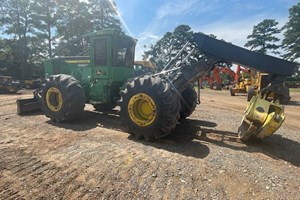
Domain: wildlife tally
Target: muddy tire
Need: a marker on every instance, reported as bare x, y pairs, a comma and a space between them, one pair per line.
104, 107
250, 93
188, 102
218, 87
63, 98
285, 98
149, 107
231, 91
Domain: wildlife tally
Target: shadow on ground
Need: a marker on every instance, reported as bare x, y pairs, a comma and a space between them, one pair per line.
187, 138
181, 140
276, 146
294, 103
92, 119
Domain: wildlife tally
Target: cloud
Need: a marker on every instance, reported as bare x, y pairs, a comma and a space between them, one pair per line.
232, 20
235, 31
144, 40
175, 8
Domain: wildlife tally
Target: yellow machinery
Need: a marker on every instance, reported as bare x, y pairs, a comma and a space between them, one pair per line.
262, 118
262, 80
152, 104
145, 65
31, 84
8, 85
243, 79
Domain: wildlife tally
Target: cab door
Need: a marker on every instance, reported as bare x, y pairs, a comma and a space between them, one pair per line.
101, 61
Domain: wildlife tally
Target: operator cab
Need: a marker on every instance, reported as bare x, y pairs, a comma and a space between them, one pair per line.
113, 48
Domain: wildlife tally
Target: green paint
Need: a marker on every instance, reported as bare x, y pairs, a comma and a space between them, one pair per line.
104, 71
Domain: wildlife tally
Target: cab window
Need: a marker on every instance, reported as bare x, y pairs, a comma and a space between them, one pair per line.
123, 53
100, 51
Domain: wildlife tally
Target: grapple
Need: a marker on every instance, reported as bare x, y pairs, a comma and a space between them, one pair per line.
261, 119
26, 106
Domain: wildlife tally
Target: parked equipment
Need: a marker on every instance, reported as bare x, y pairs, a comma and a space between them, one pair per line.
262, 80
146, 65
243, 79
214, 79
31, 83
150, 105
220, 84
8, 85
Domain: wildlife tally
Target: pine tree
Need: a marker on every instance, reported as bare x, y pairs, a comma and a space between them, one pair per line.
104, 14
45, 18
263, 37
17, 21
74, 21
171, 43
291, 41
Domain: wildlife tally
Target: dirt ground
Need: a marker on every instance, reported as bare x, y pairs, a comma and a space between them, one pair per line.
94, 158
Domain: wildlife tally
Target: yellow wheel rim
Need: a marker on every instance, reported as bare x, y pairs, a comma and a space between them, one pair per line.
54, 99
142, 109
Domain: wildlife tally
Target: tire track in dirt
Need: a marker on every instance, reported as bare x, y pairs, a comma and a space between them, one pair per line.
44, 160
39, 175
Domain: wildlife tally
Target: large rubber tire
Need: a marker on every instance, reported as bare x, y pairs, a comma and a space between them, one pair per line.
104, 107
285, 99
218, 87
63, 98
188, 102
231, 91
149, 107
250, 93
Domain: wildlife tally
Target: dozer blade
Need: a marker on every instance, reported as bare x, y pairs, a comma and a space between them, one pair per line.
26, 106
262, 118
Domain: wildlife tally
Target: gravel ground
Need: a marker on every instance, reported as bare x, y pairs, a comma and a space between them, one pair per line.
94, 158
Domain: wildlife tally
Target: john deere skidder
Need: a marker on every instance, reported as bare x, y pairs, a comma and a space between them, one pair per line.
151, 105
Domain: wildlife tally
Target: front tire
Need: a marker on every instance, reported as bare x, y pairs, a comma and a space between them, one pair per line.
285, 98
231, 91
63, 98
250, 93
149, 107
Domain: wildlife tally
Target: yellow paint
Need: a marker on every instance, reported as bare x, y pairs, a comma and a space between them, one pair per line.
265, 115
54, 94
142, 109
78, 61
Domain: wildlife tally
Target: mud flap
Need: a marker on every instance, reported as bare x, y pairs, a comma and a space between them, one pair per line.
262, 118
26, 106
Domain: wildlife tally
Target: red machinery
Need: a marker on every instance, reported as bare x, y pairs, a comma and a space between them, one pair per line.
214, 80
242, 80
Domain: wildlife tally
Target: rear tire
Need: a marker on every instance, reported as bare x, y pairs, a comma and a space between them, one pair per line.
149, 107
250, 93
188, 102
285, 98
218, 87
63, 98
231, 91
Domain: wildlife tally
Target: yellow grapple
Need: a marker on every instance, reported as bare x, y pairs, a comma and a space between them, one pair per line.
262, 118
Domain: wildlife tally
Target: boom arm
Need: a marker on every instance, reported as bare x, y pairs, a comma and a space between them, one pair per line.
262, 118
220, 51
228, 52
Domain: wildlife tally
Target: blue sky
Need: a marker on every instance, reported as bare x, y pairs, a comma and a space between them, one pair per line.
231, 20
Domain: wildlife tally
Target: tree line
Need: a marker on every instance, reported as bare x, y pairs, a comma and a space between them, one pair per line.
35, 29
